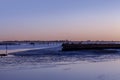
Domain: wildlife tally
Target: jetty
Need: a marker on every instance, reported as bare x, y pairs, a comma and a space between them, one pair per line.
87, 45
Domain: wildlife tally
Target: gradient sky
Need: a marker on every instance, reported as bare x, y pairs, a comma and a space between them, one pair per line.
59, 19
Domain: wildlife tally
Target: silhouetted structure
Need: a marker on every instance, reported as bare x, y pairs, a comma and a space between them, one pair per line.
80, 46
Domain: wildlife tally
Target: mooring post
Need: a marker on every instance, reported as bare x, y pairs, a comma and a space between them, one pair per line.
6, 48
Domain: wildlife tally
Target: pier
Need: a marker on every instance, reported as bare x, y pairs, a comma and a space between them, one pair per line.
72, 46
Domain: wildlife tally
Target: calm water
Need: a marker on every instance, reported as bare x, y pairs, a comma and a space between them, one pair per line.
76, 65
25, 47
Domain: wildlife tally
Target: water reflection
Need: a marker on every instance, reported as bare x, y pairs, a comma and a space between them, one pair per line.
58, 65
58, 58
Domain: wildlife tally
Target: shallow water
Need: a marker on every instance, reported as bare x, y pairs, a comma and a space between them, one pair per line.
79, 65
25, 47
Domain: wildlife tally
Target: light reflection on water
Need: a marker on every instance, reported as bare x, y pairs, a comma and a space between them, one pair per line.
62, 67
46, 61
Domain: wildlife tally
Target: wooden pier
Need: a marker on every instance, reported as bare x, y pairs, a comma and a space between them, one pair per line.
79, 46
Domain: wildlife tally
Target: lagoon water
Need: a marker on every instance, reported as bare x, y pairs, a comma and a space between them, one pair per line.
53, 64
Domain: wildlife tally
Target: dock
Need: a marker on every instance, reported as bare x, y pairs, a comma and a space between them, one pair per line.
91, 45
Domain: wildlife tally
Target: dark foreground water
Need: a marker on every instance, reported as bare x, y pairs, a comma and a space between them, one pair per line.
53, 64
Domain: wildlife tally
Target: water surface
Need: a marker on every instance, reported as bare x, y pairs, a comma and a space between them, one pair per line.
75, 65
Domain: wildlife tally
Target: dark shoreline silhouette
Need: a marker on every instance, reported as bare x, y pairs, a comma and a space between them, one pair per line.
79, 46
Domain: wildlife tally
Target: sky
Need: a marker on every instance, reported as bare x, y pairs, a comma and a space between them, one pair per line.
59, 20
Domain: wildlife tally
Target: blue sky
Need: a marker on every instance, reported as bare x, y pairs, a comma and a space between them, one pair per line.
59, 19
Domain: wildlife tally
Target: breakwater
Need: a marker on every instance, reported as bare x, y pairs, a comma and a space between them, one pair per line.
79, 46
